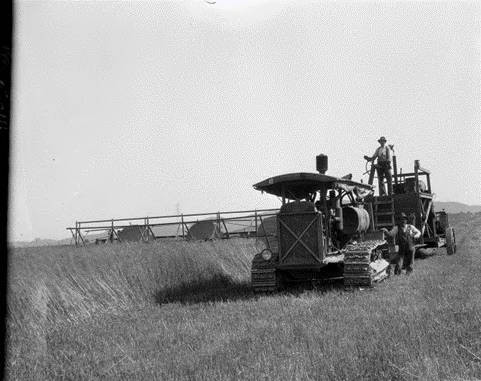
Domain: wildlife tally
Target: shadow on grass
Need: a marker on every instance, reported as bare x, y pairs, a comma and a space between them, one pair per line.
218, 289
222, 289
325, 286
425, 253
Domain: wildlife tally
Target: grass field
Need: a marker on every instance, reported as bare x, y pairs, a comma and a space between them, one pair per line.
183, 310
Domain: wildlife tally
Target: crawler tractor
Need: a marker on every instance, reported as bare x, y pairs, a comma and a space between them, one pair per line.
323, 232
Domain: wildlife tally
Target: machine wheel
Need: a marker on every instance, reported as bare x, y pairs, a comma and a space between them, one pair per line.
450, 241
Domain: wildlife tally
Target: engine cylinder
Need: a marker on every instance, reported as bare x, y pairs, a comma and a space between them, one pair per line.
355, 220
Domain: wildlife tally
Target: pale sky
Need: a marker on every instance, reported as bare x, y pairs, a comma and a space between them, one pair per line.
125, 109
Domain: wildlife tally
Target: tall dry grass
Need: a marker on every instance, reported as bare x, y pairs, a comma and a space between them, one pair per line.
183, 310
74, 283
55, 287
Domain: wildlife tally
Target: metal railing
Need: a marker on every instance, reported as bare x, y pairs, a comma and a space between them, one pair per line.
227, 224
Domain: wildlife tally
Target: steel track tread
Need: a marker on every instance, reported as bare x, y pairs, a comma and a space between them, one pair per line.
357, 259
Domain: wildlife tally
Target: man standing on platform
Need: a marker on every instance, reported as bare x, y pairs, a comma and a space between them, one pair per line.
384, 158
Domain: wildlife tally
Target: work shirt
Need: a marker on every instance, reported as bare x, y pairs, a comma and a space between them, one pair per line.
383, 153
409, 230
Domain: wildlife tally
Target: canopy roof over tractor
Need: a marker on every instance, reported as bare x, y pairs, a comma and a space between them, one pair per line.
299, 185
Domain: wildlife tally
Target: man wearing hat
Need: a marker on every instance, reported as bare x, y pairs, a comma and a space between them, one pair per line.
384, 157
404, 235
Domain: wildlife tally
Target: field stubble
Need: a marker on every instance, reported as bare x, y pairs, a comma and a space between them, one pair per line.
184, 310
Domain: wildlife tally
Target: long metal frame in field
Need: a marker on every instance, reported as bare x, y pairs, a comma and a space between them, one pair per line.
182, 221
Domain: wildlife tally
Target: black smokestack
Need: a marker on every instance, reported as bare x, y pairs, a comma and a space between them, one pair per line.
321, 163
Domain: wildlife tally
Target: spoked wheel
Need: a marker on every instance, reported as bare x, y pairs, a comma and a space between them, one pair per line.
450, 241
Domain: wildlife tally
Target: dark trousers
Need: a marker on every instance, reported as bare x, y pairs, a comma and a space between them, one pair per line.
384, 172
404, 259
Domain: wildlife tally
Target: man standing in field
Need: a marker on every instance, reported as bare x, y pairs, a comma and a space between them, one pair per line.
384, 157
404, 235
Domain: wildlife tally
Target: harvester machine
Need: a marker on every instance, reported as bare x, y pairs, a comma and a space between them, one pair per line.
412, 195
324, 231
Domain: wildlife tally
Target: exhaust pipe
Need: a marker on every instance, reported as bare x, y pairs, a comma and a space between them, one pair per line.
321, 163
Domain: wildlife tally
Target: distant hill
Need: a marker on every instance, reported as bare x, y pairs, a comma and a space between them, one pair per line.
40, 242
52, 242
456, 207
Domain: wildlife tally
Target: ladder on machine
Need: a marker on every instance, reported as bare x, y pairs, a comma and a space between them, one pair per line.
384, 212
